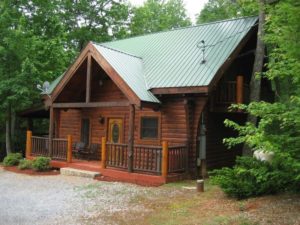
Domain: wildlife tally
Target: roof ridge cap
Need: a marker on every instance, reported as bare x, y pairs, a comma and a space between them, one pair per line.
179, 28
116, 50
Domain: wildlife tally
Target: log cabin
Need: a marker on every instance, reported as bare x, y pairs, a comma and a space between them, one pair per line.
151, 108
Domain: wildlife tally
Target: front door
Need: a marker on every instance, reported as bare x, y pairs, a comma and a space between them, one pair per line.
115, 130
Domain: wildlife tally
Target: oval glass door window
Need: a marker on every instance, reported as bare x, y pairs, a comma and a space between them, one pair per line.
115, 133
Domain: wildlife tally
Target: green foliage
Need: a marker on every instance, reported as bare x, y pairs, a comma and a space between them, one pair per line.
158, 15
251, 177
216, 10
41, 163
12, 159
278, 129
25, 164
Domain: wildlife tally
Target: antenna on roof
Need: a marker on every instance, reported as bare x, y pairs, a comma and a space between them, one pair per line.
202, 46
44, 88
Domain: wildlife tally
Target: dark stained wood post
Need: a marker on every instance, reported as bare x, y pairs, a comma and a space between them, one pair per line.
103, 153
131, 137
69, 150
239, 89
188, 108
51, 126
165, 159
28, 144
88, 78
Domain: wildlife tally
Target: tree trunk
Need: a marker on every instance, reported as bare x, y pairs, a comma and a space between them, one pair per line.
255, 83
8, 130
12, 130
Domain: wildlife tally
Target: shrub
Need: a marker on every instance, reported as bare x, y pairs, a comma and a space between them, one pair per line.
24, 164
41, 163
251, 177
12, 159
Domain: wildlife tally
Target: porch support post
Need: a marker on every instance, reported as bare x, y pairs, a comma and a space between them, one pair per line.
69, 150
28, 144
103, 153
165, 159
188, 108
131, 138
239, 89
51, 125
88, 78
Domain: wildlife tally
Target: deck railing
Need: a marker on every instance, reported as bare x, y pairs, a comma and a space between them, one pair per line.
59, 149
226, 93
147, 158
177, 159
40, 146
116, 155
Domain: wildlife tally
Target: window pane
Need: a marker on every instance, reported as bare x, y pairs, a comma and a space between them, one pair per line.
149, 127
85, 131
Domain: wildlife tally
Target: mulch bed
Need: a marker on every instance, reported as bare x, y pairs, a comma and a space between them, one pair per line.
31, 172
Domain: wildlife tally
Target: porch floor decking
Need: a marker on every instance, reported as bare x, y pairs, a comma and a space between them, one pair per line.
118, 175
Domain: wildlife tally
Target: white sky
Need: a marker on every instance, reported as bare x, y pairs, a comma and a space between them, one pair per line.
193, 6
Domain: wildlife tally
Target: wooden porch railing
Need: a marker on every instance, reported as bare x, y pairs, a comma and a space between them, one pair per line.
39, 146
59, 149
177, 159
147, 158
116, 155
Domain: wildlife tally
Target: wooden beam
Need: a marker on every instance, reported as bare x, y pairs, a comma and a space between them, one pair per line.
70, 71
239, 89
131, 137
90, 104
69, 150
28, 144
103, 153
51, 120
165, 159
188, 108
180, 90
88, 78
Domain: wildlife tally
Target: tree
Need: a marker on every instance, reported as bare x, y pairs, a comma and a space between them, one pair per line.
96, 20
158, 15
31, 43
225, 9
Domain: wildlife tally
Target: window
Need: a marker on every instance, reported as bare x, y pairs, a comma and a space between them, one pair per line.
85, 131
149, 127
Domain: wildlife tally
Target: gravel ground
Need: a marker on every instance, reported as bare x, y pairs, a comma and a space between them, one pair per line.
67, 200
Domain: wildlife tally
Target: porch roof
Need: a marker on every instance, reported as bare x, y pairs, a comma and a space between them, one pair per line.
172, 59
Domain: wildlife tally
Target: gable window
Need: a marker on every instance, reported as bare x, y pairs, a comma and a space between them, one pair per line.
149, 127
85, 131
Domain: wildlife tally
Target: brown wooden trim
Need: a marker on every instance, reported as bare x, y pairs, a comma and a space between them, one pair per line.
231, 59
141, 140
189, 111
116, 78
131, 137
51, 123
180, 90
151, 105
88, 78
90, 104
70, 71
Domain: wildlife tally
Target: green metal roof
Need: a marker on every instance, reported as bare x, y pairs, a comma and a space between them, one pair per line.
173, 58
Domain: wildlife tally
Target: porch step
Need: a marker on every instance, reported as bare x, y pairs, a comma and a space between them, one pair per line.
79, 173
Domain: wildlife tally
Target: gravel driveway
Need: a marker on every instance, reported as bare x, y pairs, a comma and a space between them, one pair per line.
67, 200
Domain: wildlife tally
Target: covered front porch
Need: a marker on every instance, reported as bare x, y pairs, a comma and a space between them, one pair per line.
160, 164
